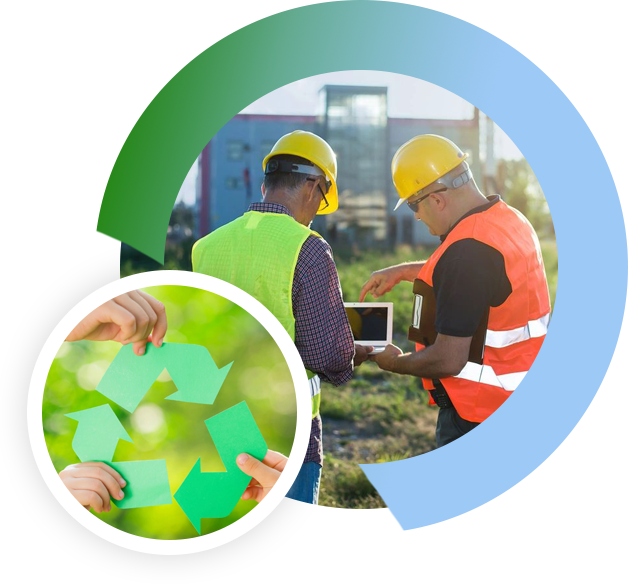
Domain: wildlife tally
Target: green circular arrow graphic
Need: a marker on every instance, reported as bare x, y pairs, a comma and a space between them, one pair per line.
198, 380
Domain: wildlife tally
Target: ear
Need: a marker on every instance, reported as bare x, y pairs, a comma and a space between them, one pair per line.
263, 190
310, 189
439, 200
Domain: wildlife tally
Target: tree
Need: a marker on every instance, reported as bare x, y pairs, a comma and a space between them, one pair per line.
519, 187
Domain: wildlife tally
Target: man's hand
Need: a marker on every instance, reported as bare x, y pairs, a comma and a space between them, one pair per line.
93, 484
447, 356
129, 318
265, 473
381, 282
386, 359
361, 354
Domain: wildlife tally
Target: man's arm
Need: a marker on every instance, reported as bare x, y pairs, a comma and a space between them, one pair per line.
446, 357
322, 333
381, 282
469, 278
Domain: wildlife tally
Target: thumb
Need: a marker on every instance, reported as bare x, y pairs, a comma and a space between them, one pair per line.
251, 466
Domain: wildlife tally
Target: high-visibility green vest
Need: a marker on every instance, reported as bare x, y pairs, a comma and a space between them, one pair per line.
258, 253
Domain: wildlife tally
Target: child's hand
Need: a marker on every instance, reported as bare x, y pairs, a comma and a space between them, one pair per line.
265, 473
92, 483
135, 317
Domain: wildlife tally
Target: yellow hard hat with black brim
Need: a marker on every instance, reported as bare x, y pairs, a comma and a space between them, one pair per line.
313, 148
426, 160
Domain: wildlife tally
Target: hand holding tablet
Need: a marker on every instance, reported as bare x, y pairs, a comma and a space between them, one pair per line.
371, 324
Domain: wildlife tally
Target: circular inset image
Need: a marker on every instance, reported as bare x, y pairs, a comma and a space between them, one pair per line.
168, 412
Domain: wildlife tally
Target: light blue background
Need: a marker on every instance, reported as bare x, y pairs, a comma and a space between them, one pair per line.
541, 487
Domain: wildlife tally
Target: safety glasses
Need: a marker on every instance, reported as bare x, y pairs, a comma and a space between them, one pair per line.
452, 180
323, 193
414, 204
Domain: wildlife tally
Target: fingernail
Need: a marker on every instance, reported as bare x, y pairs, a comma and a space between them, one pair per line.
120, 495
242, 458
140, 351
160, 342
122, 482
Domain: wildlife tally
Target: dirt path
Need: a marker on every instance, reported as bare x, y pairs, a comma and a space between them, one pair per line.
350, 443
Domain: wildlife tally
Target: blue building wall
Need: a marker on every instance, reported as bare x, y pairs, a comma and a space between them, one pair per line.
240, 146
237, 148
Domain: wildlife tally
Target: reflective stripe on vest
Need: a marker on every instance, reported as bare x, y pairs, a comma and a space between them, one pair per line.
483, 373
315, 386
517, 328
276, 240
315, 394
534, 329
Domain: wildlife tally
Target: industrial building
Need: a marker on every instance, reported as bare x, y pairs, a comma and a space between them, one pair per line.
355, 122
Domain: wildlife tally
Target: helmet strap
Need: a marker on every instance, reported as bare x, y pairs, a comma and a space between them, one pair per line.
274, 166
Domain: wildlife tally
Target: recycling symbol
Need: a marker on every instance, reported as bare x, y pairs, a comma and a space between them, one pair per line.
198, 380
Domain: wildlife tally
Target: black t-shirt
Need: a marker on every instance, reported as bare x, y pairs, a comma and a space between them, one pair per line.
468, 278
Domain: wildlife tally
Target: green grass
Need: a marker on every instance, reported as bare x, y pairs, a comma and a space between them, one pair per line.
344, 485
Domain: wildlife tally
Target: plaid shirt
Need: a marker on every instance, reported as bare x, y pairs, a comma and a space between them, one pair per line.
322, 333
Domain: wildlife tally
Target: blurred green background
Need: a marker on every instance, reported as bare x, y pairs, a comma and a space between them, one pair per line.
172, 430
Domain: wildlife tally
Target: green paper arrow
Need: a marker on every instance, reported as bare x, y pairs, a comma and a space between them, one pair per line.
191, 367
97, 434
147, 484
195, 374
215, 494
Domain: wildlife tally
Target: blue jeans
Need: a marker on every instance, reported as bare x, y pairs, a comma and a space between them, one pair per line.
305, 487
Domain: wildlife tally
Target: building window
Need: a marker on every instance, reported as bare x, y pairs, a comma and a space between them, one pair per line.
265, 147
235, 150
234, 183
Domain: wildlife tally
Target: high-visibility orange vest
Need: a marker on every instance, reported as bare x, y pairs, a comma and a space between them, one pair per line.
516, 329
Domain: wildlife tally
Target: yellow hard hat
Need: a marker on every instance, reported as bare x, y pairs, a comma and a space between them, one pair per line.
307, 145
424, 160
355, 322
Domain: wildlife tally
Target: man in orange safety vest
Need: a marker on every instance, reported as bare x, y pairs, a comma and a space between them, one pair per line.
482, 305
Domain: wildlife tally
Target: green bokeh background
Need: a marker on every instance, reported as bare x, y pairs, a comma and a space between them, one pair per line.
172, 430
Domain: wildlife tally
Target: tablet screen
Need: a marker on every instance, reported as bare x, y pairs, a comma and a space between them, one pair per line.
368, 323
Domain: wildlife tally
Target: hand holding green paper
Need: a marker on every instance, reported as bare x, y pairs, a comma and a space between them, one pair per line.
93, 484
134, 317
264, 474
215, 494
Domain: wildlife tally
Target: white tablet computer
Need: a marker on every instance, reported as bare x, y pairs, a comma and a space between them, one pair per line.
371, 323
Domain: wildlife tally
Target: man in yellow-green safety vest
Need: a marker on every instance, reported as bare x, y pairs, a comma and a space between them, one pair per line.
271, 253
